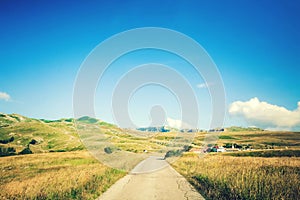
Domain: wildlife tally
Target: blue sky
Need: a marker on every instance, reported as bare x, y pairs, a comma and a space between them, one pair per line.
255, 45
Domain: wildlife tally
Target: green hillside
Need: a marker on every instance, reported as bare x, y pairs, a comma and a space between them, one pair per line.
19, 132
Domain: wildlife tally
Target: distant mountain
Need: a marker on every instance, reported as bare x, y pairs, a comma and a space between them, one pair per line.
158, 129
154, 129
170, 129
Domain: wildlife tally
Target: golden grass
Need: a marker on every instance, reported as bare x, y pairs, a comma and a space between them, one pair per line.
227, 177
256, 139
72, 175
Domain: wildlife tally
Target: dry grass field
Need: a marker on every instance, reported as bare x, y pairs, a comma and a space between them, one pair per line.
226, 177
60, 168
256, 139
65, 175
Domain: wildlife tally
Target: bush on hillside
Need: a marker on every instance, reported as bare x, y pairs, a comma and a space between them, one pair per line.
33, 141
178, 152
7, 151
27, 150
5, 141
108, 150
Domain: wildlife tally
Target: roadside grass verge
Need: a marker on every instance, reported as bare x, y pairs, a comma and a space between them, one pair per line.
66, 175
227, 177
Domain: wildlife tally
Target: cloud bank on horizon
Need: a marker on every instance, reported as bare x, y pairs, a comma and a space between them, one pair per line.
4, 96
176, 123
266, 115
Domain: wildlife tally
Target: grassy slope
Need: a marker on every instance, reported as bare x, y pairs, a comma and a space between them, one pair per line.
64, 175
257, 139
46, 175
61, 135
271, 171
58, 135
226, 177
79, 173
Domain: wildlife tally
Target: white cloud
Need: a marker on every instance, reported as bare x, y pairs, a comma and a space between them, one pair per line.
204, 85
266, 115
176, 123
4, 96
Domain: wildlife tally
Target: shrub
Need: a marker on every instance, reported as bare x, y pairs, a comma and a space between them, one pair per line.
5, 141
69, 120
7, 151
173, 153
108, 150
187, 148
33, 141
178, 152
26, 151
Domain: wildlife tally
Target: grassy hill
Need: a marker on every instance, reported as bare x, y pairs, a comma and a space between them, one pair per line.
254, 138
77, 175
50, 172
41, 135
18, 132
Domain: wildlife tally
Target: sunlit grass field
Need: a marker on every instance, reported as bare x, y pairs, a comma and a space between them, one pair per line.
227, 177
60, 168
65, 175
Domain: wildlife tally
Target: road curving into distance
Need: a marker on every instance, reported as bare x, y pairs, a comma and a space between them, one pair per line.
152, 179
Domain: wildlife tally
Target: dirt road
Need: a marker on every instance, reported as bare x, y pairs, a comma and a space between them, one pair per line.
152, 179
